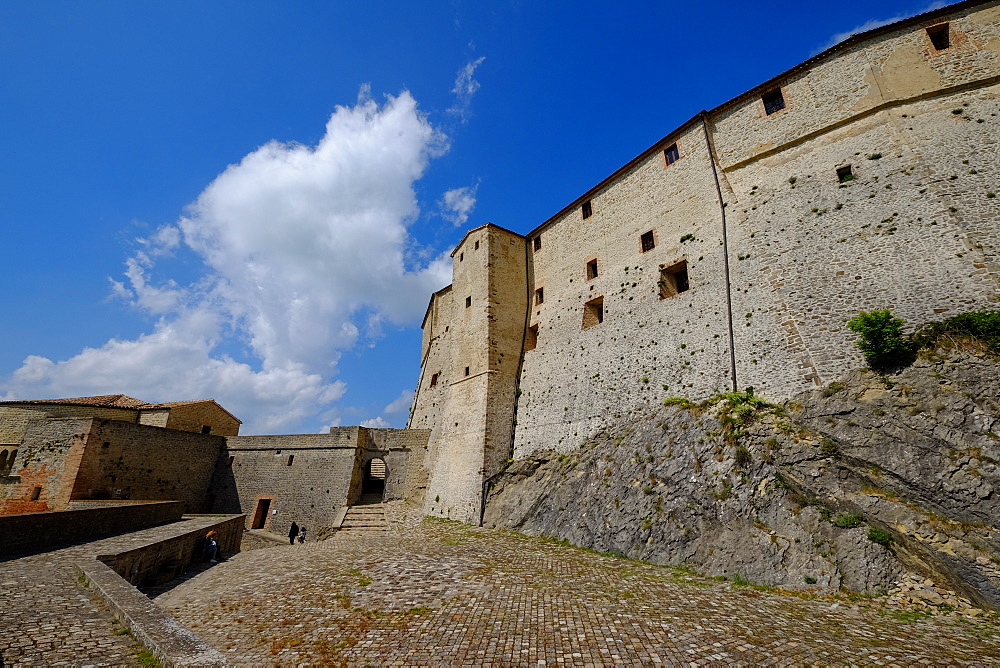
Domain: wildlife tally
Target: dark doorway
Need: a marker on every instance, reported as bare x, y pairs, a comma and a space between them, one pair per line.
373, 488
260, 515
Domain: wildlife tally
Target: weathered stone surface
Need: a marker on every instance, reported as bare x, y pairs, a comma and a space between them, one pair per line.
791, 502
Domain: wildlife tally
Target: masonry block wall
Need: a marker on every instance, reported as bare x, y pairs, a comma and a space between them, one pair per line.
133, 461
743, 241
46, 465
303, 478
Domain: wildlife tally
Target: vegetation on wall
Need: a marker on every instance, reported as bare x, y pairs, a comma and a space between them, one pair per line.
886, 347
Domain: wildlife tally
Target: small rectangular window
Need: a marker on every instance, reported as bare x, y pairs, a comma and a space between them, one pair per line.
647, 241
845, 174
587, 209
940, 36
674, 280
291, 458
537, 242
593, 313
672, 154
531, 340
476, 246
36, 493
466, 371
539, 295
434, 379
592, 269
206, 429
468, 302
773, 101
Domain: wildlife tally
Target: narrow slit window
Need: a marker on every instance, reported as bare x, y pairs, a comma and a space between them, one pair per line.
592, 269
845, 174
531, 340
291, 458
36, 493
593, 313
647, 241
468, 302
466, 371
674, 280
461, 256
475, 246
672, 154
773, 101
539, 295
434, 379
940, 36
587, 209
537, 243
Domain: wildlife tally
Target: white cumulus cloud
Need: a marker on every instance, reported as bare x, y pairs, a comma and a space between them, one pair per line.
375, 423
458, 203
305, 250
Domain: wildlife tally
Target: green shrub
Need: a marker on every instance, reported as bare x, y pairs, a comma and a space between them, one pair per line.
882, 341
809, 579
848, 520
828, 448
880, 536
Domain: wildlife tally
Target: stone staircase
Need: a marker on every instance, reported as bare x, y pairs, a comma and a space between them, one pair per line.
365, 518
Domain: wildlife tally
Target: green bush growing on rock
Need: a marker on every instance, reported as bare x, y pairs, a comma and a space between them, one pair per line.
880, 536
828, 448
882, 340
849, 520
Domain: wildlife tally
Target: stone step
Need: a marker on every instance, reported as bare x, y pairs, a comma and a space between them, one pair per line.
368, 518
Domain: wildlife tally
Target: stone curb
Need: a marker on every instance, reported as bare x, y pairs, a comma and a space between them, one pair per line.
169, 640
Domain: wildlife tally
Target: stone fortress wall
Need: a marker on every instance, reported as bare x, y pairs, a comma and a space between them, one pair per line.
309, 478
729, 254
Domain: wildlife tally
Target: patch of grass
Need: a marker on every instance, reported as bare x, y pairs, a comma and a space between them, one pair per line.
910, 615
682, 402
740, 581
148, 659
828, 448
809, 580
832, 389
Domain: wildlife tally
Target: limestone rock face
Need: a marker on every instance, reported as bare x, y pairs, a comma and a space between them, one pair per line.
859, 485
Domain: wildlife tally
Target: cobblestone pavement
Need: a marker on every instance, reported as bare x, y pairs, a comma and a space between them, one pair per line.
47, 618
442, 593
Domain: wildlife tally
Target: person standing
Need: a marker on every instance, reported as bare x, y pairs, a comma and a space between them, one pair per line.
302, 535
293, 533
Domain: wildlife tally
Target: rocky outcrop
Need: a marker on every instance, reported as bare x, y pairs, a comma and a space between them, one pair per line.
868, 484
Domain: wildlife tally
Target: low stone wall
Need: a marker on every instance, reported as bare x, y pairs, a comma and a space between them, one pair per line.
163, 560
36, 530
169, 640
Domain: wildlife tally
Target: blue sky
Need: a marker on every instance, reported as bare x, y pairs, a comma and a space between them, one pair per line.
252, 201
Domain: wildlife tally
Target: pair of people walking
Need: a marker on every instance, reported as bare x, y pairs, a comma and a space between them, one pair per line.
296, 532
